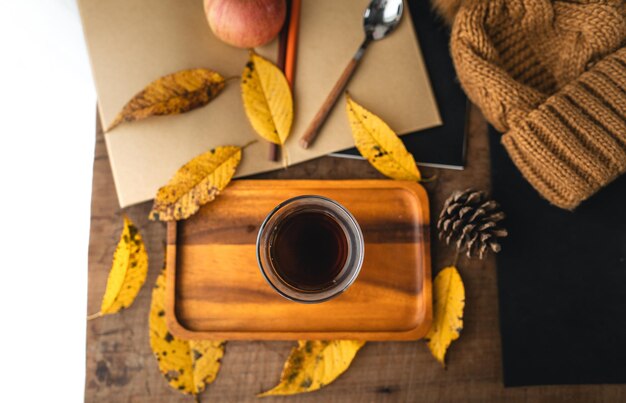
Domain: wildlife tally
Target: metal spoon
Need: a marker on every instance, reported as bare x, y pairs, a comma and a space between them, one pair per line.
379, 19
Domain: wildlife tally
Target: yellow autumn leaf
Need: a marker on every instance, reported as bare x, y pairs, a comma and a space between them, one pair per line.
314, 364
172, 94
267, 99
128, 271
196, 183
449, 301
187, 365
380, 145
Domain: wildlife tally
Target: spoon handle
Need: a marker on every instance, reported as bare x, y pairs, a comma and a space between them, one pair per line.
320, 118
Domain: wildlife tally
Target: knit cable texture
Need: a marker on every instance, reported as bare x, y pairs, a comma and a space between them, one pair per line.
552, 76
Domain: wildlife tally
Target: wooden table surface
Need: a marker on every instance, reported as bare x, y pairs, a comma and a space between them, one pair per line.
121, 367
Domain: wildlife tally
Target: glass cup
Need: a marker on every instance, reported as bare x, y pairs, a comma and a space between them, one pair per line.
310, 249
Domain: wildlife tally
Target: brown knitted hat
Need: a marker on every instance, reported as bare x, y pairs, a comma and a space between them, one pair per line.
551, 75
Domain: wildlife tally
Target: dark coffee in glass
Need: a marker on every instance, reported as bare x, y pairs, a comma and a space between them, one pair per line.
310, 249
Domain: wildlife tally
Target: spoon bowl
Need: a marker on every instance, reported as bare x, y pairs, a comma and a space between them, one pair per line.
382, 17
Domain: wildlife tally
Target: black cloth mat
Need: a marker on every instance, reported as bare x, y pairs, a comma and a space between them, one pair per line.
443, 145
561, 281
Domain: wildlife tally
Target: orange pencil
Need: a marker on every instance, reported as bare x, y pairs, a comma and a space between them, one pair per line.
292, 42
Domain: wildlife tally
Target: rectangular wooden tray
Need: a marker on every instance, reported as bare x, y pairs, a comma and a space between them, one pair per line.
216, 291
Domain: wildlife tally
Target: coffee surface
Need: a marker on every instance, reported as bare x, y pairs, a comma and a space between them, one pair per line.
309, 249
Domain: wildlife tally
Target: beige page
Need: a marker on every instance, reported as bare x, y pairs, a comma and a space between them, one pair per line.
133, 42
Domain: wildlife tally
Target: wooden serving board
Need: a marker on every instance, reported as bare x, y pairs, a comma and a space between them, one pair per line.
216, 291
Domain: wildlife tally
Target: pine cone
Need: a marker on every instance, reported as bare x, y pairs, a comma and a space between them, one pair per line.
470, 220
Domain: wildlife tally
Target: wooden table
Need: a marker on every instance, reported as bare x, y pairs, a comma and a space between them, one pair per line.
121, 367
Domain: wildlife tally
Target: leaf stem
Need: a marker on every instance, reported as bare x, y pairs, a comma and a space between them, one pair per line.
232, 78
456, 258
430, 179
196, 398
94, 316
248, 144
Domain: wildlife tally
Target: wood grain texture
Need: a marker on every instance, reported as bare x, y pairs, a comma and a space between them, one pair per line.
120, 367
215, 289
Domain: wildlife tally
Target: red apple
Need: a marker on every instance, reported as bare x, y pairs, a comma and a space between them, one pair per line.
245, 23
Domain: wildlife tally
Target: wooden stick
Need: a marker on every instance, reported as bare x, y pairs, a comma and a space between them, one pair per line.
316, 124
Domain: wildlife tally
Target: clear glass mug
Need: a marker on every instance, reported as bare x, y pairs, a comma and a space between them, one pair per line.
310, 249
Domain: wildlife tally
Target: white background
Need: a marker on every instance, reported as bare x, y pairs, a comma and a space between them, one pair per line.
47, 127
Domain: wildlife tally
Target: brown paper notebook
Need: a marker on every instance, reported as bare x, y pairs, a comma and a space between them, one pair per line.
133, 42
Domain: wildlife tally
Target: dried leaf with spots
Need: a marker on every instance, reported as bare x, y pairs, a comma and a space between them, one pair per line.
267, 99
315, 364
128, 271
172, 94
448, 304
379, 144
196, 183
187, 365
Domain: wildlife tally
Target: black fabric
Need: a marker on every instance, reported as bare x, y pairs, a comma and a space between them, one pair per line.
443, 145
562, 283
